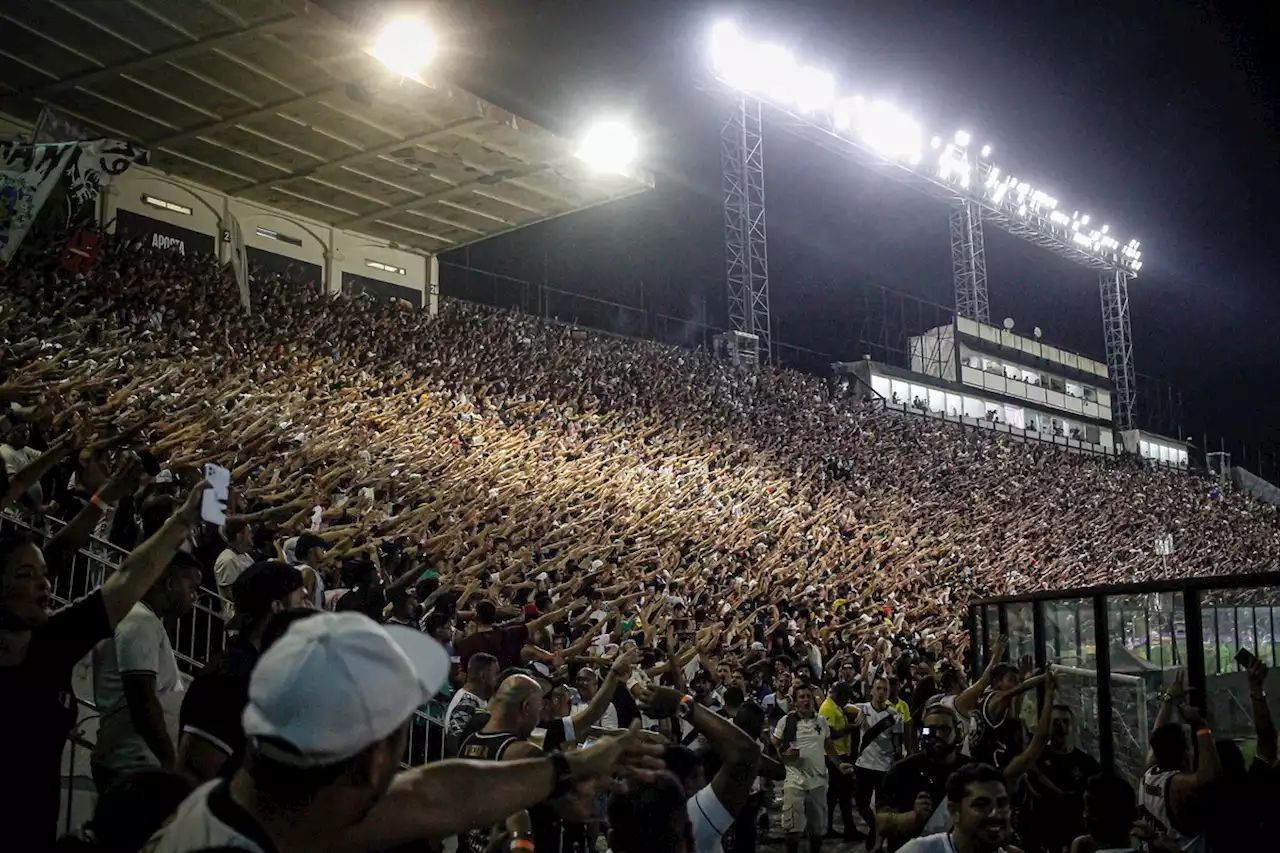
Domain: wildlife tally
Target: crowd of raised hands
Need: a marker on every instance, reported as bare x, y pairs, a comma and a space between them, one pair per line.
496, 447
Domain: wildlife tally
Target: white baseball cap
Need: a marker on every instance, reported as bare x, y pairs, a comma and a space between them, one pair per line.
337, 683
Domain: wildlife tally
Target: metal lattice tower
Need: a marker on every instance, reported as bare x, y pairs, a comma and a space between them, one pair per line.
969, 262
1113, 285
746, 256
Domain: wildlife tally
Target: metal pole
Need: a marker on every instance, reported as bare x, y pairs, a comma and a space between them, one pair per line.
1102, 659
1195, 644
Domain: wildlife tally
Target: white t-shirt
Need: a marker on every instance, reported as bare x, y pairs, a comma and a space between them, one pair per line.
810, 771
608, 720
140, 645
226, 569
878, 755
208, 818
710, 820
230, 566
937, 843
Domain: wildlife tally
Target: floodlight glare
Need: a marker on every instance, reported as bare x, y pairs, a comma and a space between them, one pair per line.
777, 67
609, 146
889, 131
815, 90
842, 114
772, 73
405, 45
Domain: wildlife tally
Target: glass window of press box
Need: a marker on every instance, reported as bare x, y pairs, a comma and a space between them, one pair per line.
1116, 650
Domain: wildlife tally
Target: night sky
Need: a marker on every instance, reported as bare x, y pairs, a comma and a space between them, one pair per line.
1158, 118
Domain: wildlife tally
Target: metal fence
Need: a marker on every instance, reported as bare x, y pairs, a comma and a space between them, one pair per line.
1116, 649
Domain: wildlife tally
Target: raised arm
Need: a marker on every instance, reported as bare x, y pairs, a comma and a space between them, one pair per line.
967, 701
590, 715
447, 797
1172, 699
127, 584
1029, 756
739, 752
1263, 724
71, 538
27, 477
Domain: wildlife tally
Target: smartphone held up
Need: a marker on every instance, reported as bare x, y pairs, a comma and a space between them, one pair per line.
213, 505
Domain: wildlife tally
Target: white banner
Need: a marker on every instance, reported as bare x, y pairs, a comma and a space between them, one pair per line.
240, 262
28, 173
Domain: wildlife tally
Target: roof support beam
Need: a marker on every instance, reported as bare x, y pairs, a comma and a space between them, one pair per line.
95, 75
246, 116
440, 195
366, 154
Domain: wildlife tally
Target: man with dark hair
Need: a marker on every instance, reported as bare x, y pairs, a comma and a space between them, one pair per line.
651, 818
1055, 816
136, 682
233, 560
482, 680
1170, 788
881, 729
979, 805
211, 736
504, 641
326, 726
914, 790
710, 807
803, 740
840, 789
1109, 809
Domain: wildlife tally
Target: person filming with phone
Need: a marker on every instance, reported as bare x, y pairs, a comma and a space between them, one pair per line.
914, 802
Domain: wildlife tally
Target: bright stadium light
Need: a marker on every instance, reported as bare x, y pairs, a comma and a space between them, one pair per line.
842, 114
609, 146
890, 131
780, 73
815, 90
405, 45
772, 73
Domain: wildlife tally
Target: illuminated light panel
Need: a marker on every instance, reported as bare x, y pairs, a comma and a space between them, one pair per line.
609, 146
771, 72
405, 45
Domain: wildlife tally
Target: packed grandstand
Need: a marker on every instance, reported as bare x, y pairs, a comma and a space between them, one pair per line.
539, 499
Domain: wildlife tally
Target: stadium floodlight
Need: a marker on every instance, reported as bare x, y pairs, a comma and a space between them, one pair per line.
815, 90
405, 45
812, 97
609, 146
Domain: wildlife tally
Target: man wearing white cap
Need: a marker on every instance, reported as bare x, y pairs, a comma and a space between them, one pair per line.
326, 725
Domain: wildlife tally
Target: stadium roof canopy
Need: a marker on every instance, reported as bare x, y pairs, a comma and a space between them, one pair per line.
277, 102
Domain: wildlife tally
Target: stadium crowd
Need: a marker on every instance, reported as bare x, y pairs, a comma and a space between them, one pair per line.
569, 536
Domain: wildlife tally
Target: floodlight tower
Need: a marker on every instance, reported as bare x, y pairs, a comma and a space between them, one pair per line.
804, 101
969, 262
1113, 286
745, 245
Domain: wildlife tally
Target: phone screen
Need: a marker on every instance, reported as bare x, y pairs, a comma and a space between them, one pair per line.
213, 504
1245, 658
